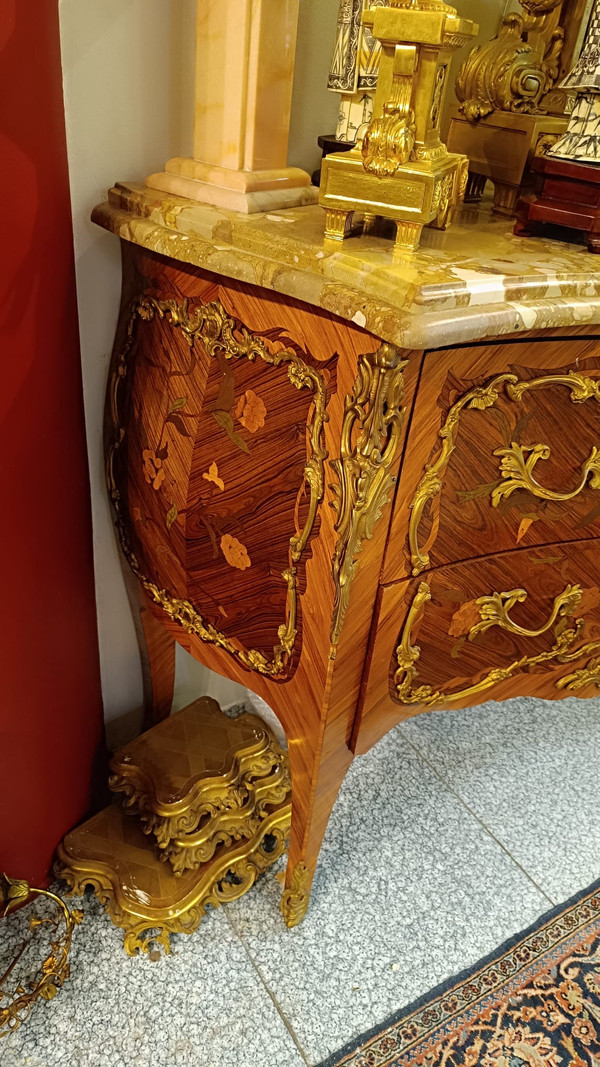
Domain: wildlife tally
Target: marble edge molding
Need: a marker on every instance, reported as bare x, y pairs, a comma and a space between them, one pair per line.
412, 327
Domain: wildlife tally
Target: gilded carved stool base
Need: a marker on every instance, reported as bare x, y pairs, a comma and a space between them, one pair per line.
200, 780
143, 896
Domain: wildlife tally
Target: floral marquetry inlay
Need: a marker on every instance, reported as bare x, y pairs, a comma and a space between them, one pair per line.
238, 419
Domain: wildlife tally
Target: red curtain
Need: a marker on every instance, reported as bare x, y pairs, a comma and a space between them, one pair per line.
50, 702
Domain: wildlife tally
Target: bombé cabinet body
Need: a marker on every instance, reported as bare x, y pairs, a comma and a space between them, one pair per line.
356, 530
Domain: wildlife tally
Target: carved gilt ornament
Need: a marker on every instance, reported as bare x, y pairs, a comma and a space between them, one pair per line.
227, 878
507, 73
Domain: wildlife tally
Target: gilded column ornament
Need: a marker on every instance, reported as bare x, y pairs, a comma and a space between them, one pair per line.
220, 334
516, 470
295, 899
371, 433
494, 610
390, 139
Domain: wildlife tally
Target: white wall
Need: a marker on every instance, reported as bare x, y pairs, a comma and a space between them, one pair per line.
128, 70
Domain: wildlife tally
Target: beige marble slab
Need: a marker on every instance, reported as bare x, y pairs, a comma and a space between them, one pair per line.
474, 281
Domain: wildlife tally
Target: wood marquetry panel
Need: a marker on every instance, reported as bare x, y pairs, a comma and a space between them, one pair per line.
526, 622
504, 451
218, 463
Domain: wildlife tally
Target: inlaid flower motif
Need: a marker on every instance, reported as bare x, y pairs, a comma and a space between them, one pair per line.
153, 468
250, 411
235, 552
212, 475
464, 619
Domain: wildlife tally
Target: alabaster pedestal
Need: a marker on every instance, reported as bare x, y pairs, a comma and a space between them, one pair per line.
245, 191
245, 52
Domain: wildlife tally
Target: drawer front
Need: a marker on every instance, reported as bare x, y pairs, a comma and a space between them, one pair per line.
504, 450
523, 624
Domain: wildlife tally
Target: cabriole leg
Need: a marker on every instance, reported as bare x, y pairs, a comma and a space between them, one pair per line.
157, 653
317, 774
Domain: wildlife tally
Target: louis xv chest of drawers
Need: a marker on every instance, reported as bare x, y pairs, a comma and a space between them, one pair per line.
363, 488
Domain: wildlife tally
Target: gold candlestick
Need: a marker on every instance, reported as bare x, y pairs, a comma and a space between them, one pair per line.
401, 170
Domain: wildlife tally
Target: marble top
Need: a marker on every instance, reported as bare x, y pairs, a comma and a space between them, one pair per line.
475, 280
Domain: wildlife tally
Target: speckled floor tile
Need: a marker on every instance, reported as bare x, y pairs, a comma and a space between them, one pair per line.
529, 770
202, 1006
410, 889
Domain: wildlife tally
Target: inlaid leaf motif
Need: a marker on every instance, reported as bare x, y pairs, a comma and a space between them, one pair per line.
225, 420
212, 475
251, 411
172, 514
179, 424
480, 490
524, 525
177, 404
235, 552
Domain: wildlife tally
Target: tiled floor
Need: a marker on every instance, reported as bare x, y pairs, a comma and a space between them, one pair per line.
459, 829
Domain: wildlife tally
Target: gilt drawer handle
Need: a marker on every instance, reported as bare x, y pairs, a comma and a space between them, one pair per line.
514, 466
494, 611
517, 469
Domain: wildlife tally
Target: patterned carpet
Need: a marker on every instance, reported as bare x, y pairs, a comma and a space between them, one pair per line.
534, 1002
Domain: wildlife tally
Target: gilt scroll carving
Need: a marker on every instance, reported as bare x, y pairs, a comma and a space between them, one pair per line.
508, 73
221, 334
294, 900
